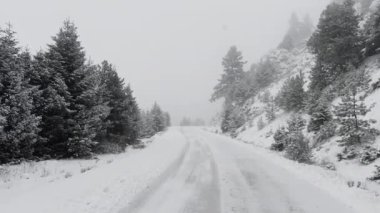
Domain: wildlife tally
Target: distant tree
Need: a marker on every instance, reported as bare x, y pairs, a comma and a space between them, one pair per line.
233, 74
158, 118
185, 122
19, 126
265, 74
336, 44
146, 125
199, 122
167, 119
297, 33
270, 109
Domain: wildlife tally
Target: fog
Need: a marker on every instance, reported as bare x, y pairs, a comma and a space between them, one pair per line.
170, 51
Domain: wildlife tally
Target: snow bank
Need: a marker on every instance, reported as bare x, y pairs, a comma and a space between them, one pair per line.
104, 185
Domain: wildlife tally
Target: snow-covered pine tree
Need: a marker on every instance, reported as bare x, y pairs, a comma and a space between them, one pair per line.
297, 33
233, 74
336, 44
354, 129
19, 126
51, 105
157, 118
372, 34
122, 123
167, 119
265, 74
132, 115
146, 125
292, 96
232, 118
321, 114
296, 123
71, 59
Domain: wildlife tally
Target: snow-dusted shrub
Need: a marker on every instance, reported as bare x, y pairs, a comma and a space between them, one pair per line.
326, 131
280, 139
296, 123
348, 153
369, 155
376, 175
320, 115
282, 136
298, 148
354, 129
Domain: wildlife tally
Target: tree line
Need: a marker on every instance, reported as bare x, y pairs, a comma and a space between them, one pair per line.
340, 45
58, 104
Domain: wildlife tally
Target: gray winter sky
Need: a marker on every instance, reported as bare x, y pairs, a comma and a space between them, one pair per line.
170, 51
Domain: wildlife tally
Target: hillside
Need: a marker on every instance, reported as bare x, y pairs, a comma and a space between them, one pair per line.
353, 164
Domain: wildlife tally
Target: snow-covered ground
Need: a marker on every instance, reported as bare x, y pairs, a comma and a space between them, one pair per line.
183, 170
104, 185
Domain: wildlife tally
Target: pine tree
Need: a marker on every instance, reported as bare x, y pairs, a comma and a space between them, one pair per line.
167, 119
320, 115
265, 74
122, 122
297, 33
146, 125
292, 95
51, 105
296, 123
372, 34
336, 44
233, 74
19, 126
270, 109
158, 118
232, 118
354, 129
70, 61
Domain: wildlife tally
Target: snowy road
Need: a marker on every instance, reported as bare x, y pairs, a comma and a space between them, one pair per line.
216, 174
183, 170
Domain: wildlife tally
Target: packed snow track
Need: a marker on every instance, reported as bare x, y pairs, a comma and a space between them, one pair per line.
216, 174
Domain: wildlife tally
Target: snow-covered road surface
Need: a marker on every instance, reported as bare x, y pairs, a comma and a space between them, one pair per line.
183, 170
217, 174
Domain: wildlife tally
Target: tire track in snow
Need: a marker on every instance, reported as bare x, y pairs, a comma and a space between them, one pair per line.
189, 185
169, 172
